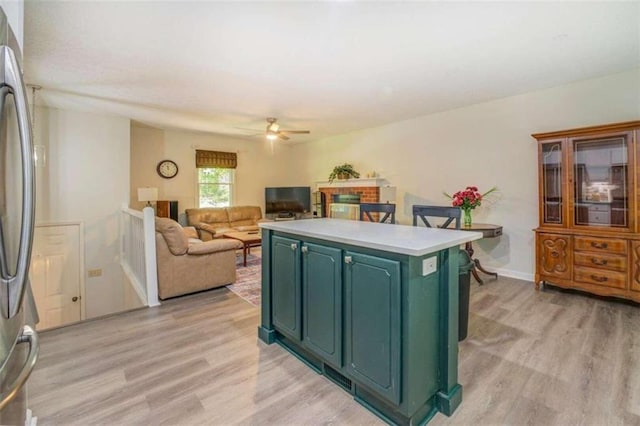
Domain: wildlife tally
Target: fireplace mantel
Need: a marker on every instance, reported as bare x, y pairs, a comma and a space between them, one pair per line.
353, 183
368, 189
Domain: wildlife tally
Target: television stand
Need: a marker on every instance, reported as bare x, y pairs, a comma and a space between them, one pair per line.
283, 216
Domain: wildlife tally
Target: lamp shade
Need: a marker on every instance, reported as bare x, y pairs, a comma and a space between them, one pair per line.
147, 194
388, 194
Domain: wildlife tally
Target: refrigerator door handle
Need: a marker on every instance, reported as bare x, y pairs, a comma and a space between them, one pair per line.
30, 336
12, 78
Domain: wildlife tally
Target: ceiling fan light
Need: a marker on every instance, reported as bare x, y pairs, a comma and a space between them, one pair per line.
272, 136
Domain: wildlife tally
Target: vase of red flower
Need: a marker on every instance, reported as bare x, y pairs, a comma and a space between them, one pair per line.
468, 199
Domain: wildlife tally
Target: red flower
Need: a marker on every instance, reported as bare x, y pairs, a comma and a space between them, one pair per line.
469, 198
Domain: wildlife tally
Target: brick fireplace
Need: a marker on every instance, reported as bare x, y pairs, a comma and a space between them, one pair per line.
368, 189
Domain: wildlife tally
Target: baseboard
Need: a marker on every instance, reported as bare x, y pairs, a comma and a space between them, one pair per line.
513, 274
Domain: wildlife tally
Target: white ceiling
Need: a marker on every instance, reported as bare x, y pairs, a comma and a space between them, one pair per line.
331, 67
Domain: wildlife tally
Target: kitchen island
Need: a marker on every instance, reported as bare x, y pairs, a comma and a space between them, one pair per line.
373, 307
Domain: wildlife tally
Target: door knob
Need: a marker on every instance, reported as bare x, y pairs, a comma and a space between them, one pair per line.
348, 259
305, 249
74, 299
294, 246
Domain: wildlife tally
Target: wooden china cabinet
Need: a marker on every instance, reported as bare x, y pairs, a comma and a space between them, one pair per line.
589, 234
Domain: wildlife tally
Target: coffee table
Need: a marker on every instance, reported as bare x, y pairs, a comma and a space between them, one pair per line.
247, 238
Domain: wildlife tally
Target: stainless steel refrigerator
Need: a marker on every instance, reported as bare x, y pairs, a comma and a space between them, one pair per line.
18, 340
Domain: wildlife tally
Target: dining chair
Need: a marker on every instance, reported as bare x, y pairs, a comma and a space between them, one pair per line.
388, 209
423, 212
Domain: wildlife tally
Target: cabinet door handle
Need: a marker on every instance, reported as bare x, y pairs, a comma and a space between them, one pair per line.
348, 259
599, 279
599, 245
600, 262
305, 249
294, 246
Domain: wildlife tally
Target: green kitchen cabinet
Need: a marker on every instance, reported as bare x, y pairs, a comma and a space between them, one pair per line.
373, 317
322, 301
307, 295
286, 292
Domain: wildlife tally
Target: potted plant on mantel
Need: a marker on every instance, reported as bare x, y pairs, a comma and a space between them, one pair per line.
344, 171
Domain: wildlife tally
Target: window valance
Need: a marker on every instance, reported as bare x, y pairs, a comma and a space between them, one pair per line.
225, 160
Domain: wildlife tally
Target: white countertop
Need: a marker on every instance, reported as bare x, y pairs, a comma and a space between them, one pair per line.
410, 240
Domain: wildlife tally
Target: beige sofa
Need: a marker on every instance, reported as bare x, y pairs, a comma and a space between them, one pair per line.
213, 222
187, 264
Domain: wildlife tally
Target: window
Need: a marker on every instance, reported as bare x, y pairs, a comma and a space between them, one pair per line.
215, 187
216, 173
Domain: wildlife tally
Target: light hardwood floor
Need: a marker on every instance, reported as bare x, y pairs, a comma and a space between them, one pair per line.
531, 358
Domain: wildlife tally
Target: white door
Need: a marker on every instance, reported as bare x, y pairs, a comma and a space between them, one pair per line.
55, 274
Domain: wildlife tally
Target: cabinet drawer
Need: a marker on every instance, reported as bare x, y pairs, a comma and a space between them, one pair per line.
600, 277
599, 217
599, 208
608, 245
600, 260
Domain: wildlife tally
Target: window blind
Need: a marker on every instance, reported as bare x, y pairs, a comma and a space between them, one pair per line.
210, 159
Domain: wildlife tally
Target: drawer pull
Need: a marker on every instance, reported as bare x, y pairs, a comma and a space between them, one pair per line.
555, 254
348, 259
600, 262
305, 249
598, 279
599, 245
294, 246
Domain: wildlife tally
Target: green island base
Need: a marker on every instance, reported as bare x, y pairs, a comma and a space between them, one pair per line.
441, 402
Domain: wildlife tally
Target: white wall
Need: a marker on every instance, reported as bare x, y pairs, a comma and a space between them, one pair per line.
484, 145
260, 164
14, 9
86, 178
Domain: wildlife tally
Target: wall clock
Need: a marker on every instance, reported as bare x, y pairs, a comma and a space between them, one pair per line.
167, 169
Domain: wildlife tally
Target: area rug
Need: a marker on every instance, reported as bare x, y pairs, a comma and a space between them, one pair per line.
248, 278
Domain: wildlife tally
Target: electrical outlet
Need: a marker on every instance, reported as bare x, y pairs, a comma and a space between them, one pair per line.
95, 272
429, 265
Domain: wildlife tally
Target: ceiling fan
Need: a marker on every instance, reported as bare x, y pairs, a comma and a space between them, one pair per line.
274, 132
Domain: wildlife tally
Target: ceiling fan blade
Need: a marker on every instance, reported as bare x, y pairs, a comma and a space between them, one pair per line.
300, 132
283, 137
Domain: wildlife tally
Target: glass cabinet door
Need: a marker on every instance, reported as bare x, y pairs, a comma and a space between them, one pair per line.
601, 191
552, 182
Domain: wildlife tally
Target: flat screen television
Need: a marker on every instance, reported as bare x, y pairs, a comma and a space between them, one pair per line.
287, 200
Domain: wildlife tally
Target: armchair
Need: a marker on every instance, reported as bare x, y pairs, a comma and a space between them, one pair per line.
187, 265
